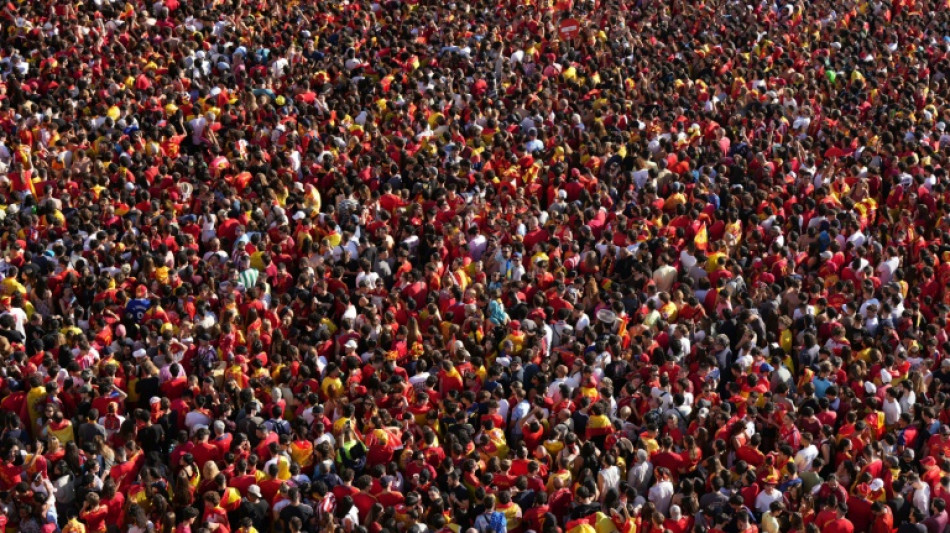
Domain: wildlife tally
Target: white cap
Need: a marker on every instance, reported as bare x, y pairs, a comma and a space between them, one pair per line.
870, 388
140, 353
886, 376
606, 316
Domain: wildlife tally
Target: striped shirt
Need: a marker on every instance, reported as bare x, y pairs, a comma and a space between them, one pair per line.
248, 277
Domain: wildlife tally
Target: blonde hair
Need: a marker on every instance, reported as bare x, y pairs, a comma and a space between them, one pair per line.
210, 470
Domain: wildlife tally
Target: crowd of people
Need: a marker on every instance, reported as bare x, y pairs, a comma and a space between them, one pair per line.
573, 266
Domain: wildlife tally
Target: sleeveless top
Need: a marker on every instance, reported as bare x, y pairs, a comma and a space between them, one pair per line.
611, 476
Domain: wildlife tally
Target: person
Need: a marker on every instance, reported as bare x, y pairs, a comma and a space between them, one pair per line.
882, 518
840, 524
914, 524
920, 498
640, 475
93, 513
294, 509
769, 495
661, 494
491, 520
253, 507
938, 520
773, 520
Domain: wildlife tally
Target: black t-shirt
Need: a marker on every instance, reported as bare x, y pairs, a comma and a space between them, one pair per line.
152, 438
459, 491
257, 512
583, 510
907, 527
942, 379
624, 267
303, 512
12, 335
147, 388
580, 422
525, 499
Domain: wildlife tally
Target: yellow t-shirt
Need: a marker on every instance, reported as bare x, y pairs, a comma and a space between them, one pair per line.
10, 286
712, 261
336, 384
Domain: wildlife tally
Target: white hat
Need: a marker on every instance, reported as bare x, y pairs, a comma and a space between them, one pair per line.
886, 376
870, 388
140, 353
254, 490
351, 344
877, 484
606, 316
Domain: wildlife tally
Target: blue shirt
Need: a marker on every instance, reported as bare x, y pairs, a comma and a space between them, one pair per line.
821, 386
137, 308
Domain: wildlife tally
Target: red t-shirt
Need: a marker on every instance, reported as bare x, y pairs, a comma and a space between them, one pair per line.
95, 519
839, 525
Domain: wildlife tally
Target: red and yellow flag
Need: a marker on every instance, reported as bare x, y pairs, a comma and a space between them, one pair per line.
702, 238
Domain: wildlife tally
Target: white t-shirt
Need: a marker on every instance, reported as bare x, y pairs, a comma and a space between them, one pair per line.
892, 412
887, 268
198, 126
661, 495
19, 319
764, 500
805, 456
664, 277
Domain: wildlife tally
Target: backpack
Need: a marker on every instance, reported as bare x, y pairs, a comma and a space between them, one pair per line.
353, 456
653, 417
281, 427
497, 521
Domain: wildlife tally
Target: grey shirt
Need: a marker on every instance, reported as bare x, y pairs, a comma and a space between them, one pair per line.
88, 430
640, 476
710, 501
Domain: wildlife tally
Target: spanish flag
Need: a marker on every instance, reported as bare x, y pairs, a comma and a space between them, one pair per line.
231, 499
302, 453
581, 525
702, 238
599, 425
74, 526
598, 522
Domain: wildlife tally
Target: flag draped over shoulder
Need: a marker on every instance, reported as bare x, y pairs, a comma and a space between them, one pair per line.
702, 238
